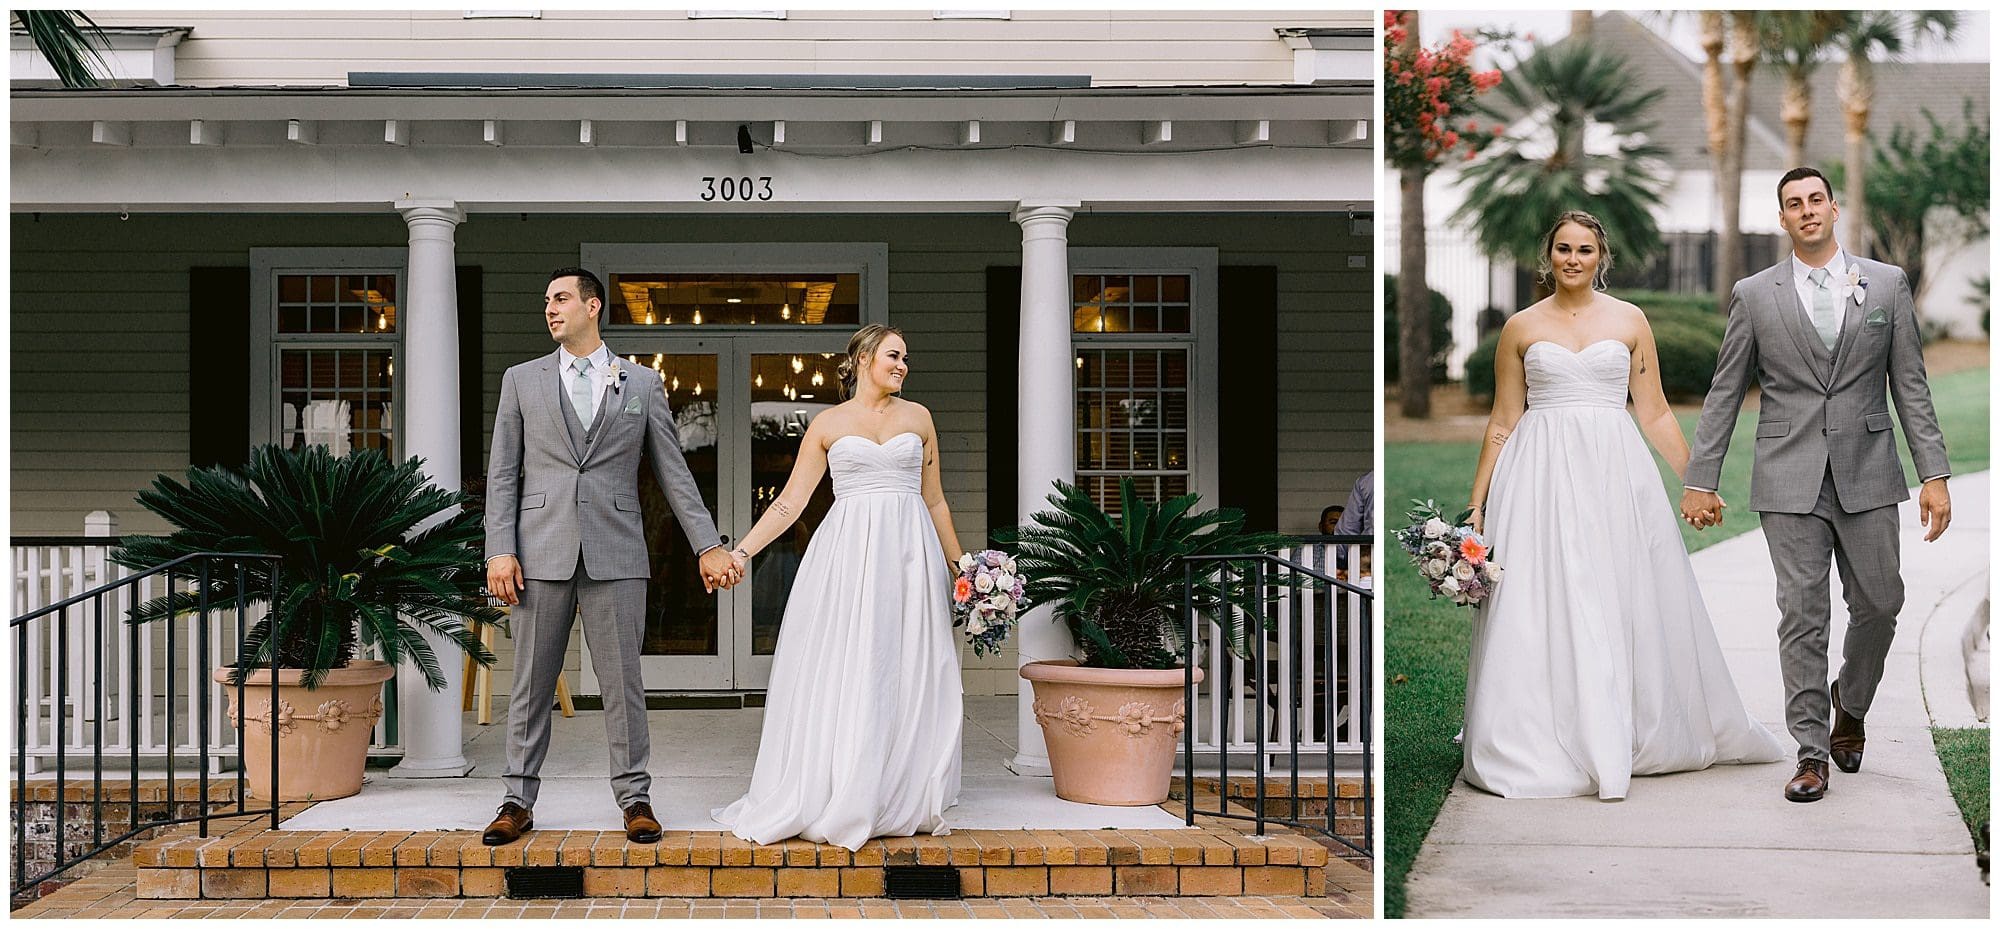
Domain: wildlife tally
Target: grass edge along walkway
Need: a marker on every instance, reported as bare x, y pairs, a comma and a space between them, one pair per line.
1425, 641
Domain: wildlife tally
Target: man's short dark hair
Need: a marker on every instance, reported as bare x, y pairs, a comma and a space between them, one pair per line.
588, 287
1336, 508
1801, 173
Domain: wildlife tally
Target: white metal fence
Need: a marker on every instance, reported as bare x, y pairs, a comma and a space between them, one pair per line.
1299, 638
78, 668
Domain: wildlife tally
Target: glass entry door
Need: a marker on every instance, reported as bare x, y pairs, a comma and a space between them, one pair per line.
742, 405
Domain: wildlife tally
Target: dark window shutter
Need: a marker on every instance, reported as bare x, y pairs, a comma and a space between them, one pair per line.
218, 366
471, 383
1003, 377
1247, 435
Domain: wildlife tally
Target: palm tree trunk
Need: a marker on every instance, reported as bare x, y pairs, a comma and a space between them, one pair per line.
1715, 106
1797, 115
1743, 50
1857, 98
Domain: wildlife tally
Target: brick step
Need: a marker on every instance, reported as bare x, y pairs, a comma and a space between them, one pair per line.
251, 861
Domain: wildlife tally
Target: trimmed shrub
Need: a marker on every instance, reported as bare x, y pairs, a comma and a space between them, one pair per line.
1392, 333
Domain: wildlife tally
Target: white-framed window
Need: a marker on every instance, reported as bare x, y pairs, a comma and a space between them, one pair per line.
674, 289
1143, 334
325, 341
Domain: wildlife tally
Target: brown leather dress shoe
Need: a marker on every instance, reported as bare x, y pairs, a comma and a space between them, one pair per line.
1848, 736
513, 820
1809, 783
640, 826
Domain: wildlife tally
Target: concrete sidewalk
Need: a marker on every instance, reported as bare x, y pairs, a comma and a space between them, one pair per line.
1724, 842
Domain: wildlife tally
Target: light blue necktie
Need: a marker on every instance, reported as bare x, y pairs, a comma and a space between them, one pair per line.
1822, 309
579, 390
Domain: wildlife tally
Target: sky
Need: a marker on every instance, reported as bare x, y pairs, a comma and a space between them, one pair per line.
1974, 42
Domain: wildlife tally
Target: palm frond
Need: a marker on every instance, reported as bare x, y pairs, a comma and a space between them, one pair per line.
63, 37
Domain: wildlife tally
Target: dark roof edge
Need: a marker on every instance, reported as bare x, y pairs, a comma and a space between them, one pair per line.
1338, 88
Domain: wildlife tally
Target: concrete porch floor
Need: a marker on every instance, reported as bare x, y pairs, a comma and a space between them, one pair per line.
700, 760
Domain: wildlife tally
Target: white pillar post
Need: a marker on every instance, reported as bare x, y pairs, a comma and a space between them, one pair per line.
432, 721
1047, 418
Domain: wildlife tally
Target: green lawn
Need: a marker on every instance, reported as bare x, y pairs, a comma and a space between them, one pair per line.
1964, 753
1426, 641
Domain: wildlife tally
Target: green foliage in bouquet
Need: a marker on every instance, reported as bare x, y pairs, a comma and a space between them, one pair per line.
352, 571
1118, 582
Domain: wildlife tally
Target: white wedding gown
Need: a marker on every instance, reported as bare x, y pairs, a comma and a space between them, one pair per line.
1594, 659
862, 716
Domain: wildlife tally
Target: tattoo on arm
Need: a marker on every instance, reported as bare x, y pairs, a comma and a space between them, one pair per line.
784, 509
1500, 438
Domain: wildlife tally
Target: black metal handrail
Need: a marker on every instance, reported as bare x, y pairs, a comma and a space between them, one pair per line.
199, 568
1258, 570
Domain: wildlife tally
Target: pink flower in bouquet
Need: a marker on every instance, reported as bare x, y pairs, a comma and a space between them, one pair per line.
1473, 551
962, 591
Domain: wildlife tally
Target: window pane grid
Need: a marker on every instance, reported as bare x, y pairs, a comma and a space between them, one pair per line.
343, 398
355, 304
1131, 419
1149, 303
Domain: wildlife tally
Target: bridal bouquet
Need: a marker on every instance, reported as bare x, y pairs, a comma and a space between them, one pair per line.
986, 598
1456, 561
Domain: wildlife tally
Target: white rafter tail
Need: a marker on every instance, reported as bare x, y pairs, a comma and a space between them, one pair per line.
968, 132
495, 132
110, 132
1062, 132
1253, 132
204, 132
586, 133
25, 136
1158, 131
874, 132
302, 131
681, 132
396, 131
778, 132
1343, 131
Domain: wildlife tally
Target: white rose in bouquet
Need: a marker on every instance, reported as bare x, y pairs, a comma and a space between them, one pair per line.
1001, 602
1010, 568
1435, 528
1464, 571
983, 583
975, 625
965, 562
1449, 587
1492, 572
1437, 550
1004, 581
1434, 568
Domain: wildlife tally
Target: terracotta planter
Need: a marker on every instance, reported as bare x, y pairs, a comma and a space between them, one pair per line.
323, 733
1112, 734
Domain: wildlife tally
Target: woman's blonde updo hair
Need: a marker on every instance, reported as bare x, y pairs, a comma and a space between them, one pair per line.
859, 350
1546, 269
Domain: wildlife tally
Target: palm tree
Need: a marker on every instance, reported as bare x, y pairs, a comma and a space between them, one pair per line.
1797, 42
1744, 49
64, 39
1715, 109
1576, 140
1414, 341
1864, 35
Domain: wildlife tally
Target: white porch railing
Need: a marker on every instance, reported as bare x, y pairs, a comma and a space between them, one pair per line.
138, 670
1316, 629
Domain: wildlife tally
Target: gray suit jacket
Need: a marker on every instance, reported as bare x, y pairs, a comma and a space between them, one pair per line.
1821, 409
556, 491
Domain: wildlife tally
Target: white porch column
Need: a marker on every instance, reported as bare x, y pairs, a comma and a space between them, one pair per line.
433, 741
1047, 415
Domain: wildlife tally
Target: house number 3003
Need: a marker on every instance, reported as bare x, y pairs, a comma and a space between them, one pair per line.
736, 188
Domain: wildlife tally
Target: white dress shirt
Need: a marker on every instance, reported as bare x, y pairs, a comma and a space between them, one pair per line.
600, 364
1836, 271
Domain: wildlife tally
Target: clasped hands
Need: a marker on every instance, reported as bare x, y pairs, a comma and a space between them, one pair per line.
722, 569
1702, 509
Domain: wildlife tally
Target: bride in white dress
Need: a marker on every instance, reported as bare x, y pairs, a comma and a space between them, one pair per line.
1594, 659
862, 717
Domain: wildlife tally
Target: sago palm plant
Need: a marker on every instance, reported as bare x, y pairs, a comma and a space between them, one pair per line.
1117, 582
352, 569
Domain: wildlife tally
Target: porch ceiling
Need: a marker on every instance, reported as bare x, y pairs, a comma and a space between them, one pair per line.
649, 150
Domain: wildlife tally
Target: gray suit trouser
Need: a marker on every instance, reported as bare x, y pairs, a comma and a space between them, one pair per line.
1866, 546
614, 621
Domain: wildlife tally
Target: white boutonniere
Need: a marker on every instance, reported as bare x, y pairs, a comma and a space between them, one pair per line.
1856, 286
614, 376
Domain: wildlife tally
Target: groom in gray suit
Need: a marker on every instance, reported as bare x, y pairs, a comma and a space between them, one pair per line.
1829, 338
563, 530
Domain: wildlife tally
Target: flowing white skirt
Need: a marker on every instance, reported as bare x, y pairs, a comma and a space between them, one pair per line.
1594, 659
862, 718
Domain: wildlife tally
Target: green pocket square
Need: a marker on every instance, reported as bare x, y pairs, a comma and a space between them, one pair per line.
1878, 318
633, 406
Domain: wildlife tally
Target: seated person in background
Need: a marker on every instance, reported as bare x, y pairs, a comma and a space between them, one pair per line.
1330, 517
1358, 518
